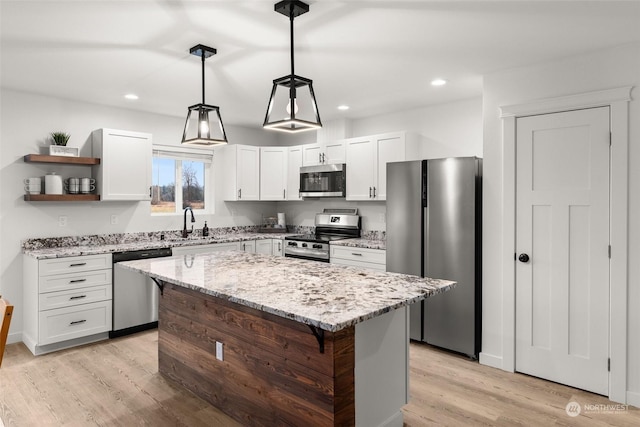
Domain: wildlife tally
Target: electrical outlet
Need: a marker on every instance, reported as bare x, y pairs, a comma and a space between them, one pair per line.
219, 351
383, 217
114, 219
62, 221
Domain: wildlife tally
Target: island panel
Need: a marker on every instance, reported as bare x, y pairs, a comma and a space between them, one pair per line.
272, 373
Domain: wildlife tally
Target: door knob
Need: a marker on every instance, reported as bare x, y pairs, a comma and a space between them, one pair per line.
523, 258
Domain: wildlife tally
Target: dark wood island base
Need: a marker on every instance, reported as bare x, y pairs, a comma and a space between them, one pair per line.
272, 372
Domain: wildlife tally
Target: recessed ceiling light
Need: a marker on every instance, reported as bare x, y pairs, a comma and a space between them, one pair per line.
343, 107
131, 96
438, 82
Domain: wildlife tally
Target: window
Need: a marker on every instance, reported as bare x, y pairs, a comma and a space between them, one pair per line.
181, 178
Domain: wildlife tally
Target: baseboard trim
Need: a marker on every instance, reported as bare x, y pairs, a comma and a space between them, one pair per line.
633, 399
490, 360
14, 338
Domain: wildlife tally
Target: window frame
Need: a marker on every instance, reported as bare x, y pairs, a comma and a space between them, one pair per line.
180, 154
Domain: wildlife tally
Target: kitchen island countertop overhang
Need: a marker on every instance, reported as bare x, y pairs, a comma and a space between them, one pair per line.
318, 294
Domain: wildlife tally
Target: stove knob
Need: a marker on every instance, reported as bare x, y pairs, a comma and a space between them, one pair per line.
317, 246
293, 244
304, 245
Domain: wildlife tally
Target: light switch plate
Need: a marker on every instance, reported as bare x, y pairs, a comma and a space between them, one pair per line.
62, 221
219, 351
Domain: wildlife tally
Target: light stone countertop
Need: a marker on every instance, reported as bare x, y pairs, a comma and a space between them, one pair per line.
69, 251
314, 293
361, 243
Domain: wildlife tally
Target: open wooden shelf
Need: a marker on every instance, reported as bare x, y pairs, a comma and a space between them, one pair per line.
61, 197
42, 158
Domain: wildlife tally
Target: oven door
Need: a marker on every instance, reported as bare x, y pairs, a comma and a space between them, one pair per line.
292, 252
323, 181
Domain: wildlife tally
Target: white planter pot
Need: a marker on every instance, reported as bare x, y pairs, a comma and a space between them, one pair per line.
59, 150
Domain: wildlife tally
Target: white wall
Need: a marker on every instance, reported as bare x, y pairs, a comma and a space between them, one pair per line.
26, 122
601, 70
447, 130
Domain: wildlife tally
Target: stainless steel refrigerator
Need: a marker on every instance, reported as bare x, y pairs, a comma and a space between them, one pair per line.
434, 229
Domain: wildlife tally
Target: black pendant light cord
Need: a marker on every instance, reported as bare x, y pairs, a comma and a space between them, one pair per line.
291, 34
292, 88
203, 76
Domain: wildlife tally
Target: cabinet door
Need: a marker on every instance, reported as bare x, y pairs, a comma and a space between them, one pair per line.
334, 152
294, 161
391, 148
277, 247
248, 172
264, 246
273, 173
360, 168
312, 154
248, 246
124, 172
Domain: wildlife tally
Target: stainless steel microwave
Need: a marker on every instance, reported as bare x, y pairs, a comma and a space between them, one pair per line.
323, 180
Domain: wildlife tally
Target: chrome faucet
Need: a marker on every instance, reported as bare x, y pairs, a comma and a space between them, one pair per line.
186, 232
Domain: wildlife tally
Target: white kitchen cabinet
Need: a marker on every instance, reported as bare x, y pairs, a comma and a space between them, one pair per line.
264, 246
67, 301
124, 172
273, 173
294, 162
239, 167
278, 246
375, 259
367, 159
248, 246
323, 153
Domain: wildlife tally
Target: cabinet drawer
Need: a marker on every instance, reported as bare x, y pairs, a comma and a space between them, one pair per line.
369, 265
74, 264
69, 298
376, 256
64, 282
199, 249
74, 322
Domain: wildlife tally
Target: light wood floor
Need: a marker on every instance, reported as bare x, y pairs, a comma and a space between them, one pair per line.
116, 383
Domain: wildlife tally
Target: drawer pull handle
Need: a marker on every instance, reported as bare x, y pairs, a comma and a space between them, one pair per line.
77, 322
79, 264
78, 297
355, 254
77, 280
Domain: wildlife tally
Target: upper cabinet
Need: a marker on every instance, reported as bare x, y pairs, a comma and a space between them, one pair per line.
294, 162
273, 173
323, 153
367, 159
240, 166
124, 171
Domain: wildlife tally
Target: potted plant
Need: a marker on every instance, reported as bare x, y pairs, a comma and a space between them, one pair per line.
59, 146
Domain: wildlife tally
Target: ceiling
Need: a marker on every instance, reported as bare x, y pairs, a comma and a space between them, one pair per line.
375, 56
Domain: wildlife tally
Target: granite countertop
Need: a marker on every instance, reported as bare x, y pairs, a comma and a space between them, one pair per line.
361, 243
96, 249
314, 293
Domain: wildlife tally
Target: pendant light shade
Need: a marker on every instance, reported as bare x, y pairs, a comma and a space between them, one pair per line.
204, 123
292, 105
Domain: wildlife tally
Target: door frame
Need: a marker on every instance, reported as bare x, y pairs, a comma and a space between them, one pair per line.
618, 102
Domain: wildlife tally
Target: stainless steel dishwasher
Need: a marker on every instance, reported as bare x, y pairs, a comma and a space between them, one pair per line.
135, 296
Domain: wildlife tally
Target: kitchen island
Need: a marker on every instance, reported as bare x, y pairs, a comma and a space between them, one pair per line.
272, 340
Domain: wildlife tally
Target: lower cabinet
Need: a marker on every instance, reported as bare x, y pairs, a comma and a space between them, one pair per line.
375, 259
264, 246
67, 301
278, 247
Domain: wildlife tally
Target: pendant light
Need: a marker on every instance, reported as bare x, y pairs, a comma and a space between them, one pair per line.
204, 124
292, 106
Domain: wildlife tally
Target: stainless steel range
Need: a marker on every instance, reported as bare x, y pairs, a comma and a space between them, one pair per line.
331, 224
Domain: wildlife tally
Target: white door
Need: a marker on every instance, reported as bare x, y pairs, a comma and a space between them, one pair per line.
334, 152
562, 225
312, 154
